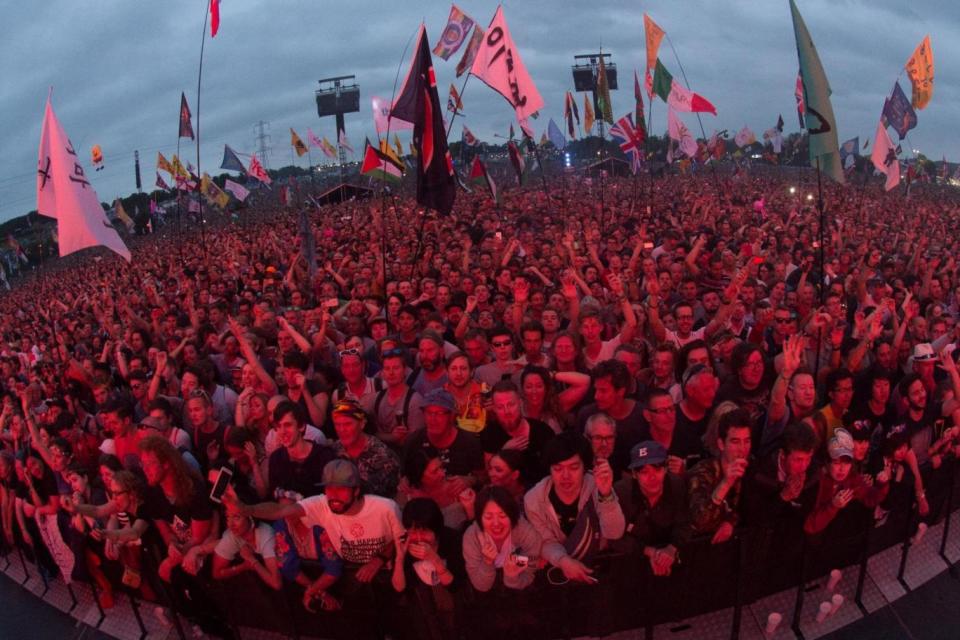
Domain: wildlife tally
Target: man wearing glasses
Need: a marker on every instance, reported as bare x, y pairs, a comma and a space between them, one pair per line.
503, 367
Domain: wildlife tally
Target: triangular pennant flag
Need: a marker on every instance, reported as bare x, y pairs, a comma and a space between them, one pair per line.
328, 149
419, 103
214, 17
186, 128
397, 145
163, 164
388, 151
587, 115
884, 157
121, 214
821, 123
653, 34
64, 193
297, 143
499, 65
556, 136
230, 160
313, 140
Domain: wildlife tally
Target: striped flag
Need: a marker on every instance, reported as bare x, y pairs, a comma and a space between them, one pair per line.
379, 165
478, 174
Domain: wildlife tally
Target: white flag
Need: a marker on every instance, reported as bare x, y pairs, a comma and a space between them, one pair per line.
382, 119
498, 64
345, 143
884, 156
744, 137
679, 132
65, 193
775, 138
237, 189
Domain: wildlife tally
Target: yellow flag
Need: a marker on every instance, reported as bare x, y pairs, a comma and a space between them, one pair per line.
413, 150
122, 215
587, 114
163, 163
297, 143
396, 143
654, 35
920, 69
388, 151
178, 168
212, 192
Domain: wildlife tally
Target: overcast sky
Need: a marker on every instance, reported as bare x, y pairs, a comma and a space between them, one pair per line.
117, 69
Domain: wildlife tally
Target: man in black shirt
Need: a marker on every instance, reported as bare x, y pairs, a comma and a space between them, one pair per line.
611, 381
460, 451
510, 430
296, 467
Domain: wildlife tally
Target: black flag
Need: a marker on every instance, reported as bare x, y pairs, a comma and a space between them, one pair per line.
419, 103
136, 168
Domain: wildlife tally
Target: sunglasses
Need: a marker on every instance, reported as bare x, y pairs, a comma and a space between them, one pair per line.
506, 343
354, 352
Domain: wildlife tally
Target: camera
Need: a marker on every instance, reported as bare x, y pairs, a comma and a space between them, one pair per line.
519, 560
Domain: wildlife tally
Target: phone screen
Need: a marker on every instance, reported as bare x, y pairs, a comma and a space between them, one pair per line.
220, 486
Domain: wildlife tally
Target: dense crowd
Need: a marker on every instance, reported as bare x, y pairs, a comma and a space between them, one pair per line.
488, 402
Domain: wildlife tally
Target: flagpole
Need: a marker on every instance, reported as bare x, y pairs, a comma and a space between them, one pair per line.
203, 41
713, 169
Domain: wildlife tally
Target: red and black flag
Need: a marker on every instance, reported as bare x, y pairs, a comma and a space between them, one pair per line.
186, 128
419, 103
516, 159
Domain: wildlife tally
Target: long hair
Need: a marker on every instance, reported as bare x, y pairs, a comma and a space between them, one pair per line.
168, 456
551, 403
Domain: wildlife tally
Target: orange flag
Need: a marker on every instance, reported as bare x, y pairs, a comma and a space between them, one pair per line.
920, 69
654, 35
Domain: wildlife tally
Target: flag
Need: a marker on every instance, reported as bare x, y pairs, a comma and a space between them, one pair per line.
676, 95
638, 98
238, 190
297, 143
499, 65
388, 151
468, 138
343, 142
555, 135
178, 170
419, 103
16, 248
587, 115
136, 167
512, 134
898, 112
96, 157
884, 156
382, 119
457, 29
470, 53
543, 139
679, 132
453, 100
328, 149
478, 174
257, 171
230, 160
821, 123
313, 140
194, 205
516, 159
920, 69
744, 137
164, 164
604, 108
849, 150
380, 165
121, 214
775, 138
631, 141
214, 17
397, 145
64, 193
186, 128
213, 193
160, 182
568, 106
654, 34
798, 94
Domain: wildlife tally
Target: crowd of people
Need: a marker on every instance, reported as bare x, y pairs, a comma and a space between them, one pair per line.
483, 405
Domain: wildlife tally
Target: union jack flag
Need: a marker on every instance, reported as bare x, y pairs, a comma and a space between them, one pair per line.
630, 139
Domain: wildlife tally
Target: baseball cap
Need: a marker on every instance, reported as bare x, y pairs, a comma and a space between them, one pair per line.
151, 422
439, 398
647, 452
340, 473
840, 445
350, 408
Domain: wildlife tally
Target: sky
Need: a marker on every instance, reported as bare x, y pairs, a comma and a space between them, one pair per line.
117, 69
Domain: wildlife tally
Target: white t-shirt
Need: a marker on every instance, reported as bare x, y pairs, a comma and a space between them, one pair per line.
607, 349
680, 343
360, 537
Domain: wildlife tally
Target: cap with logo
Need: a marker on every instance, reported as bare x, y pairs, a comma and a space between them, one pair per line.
647, 452
340, 473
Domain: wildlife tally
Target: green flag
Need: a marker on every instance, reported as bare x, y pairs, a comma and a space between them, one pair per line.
662, 81
821, 123
604, 108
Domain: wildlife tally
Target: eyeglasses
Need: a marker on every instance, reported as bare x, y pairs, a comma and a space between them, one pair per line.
199, 393
783, 320
603, 438
502, 343
663, 410
353, 352
394, 353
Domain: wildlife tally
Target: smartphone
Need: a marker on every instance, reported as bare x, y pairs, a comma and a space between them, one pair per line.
758, 260
498, 235
648, 245
519, 560
220, 486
